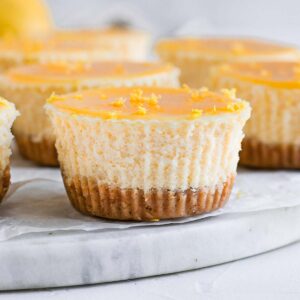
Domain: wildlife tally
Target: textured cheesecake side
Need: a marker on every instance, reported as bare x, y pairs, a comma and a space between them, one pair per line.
194, 70
197, 67
7, 117
33, 131
272, 135
143, 170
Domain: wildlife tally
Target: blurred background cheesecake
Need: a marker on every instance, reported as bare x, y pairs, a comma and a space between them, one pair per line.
29, 86
197, 57
74, 46
272, 135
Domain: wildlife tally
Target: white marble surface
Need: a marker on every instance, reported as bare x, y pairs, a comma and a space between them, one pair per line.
273, 275
65, 259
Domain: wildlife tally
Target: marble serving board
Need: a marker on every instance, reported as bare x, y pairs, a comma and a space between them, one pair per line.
77, 258
55, 256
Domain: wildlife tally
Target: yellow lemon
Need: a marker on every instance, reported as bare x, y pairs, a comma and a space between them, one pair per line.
24, 18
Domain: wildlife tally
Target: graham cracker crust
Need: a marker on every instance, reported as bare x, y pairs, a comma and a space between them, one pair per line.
90, 198
42, 152
4, 182
260, 155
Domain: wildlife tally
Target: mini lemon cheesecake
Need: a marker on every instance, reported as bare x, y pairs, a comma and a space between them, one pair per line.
148, 153
196, 57
29, 87
74, 46
273, 89
8, 114
122, 44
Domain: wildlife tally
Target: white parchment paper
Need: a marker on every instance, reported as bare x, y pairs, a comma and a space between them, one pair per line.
37, 201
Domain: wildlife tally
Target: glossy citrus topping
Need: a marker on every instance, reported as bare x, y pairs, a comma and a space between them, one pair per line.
222, 46
74, 72
149, 103
277, 74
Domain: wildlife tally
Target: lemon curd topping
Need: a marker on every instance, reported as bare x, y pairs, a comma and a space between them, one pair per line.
148, 103
276, 74
222, 46
76, 71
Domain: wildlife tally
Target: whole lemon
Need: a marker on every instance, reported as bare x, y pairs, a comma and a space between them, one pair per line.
24, 18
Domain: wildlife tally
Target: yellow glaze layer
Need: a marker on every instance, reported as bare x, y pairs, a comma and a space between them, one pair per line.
148, 103
77, 71
223, 47
276, 74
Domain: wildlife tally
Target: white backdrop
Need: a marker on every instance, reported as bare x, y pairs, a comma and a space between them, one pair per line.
275, 19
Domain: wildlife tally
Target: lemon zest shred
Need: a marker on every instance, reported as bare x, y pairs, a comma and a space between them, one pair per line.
196, 113
118, 103
141, 111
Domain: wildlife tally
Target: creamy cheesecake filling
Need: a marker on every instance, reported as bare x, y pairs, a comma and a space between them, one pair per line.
273, 91
8, 114
149, 138
157, 155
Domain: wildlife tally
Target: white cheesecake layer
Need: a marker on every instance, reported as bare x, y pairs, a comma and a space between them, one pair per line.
8, 114
147, 154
